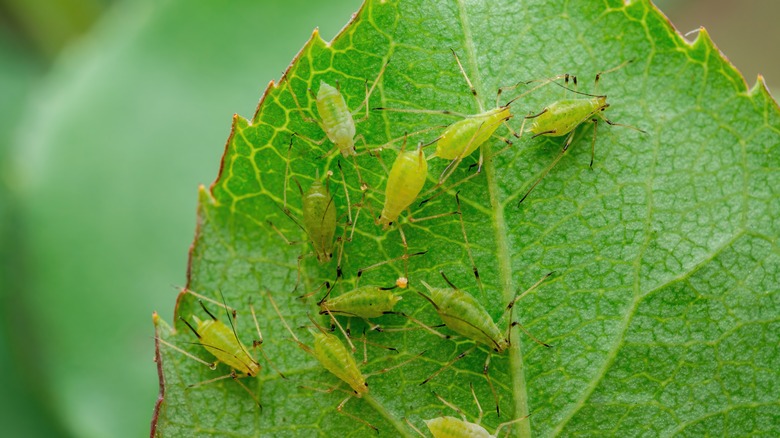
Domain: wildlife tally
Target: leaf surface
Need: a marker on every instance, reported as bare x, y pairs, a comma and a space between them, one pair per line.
663, 309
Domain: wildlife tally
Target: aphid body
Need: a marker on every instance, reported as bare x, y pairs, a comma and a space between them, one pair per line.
563, 116
221, 341
319, 219
363, 302
336, 118
463, 314
451, 427
463, 137
406, 179
334, 357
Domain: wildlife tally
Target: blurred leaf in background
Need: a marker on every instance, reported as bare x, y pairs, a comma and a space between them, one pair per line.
98, 209
127, 123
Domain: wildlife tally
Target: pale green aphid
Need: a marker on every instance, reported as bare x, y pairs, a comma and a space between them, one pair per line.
462, 138
406, 179
337, 121
319, 219
562, 117
222, 342
331, 353
466, 316
452, 427
364, 302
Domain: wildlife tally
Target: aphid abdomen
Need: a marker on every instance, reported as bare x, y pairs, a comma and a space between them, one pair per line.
319, 219
336, 119
364, 302
219, 340
563, 116
463, 137
464, 315
406, 179
335, 357
451, 427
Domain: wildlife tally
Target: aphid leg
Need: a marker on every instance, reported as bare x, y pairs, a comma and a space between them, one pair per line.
476, 401
258, 343
511, 306
452, 405
369, 92
474, 268
534, 338
486, 372
509, 423
233, 375
298, 105
449, 364
414, 428
340, 407
593, 143
566, 144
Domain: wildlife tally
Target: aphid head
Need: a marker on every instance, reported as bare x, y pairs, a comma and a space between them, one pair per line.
602, 100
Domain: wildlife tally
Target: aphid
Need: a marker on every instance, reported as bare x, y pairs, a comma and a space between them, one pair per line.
406, 179
337, 121
464, 315
331, 353
451, 427
222, 342
462, 138
319, 217
562, 117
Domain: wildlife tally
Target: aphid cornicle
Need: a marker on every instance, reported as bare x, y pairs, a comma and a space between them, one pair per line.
406, 179
466, 316
562, 117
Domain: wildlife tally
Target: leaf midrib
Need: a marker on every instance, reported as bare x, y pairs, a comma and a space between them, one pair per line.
516, 368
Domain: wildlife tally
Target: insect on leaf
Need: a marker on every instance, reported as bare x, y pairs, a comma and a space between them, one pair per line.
662, 312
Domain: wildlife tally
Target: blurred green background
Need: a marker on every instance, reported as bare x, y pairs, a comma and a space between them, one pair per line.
111, 114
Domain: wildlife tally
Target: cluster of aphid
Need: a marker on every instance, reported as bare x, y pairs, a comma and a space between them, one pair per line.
458, 310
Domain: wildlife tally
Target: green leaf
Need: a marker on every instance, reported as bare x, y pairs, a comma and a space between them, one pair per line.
663, 310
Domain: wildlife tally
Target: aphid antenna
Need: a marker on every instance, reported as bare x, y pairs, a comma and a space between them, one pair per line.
205, 298
211, 365
444, 276
338, 324
450, 405
384, 370
449, 364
